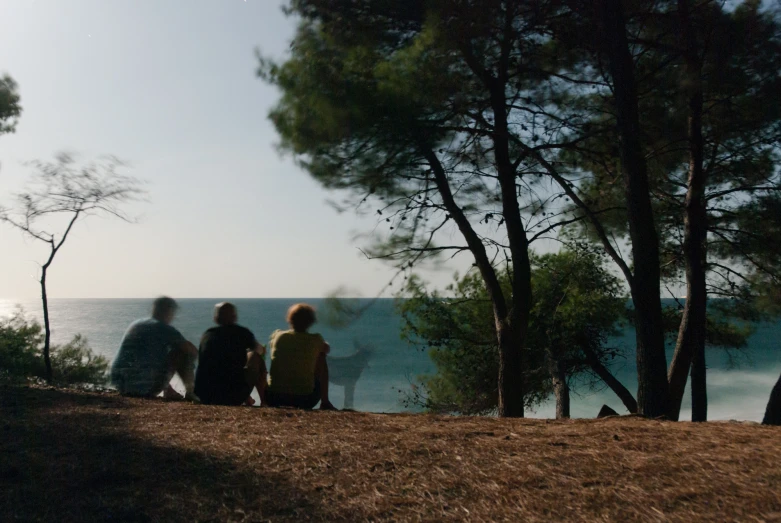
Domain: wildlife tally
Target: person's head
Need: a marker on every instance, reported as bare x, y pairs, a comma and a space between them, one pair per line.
225, 313
164, 309
301, 316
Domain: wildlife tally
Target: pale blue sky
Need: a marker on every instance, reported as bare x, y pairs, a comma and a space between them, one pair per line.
170, 86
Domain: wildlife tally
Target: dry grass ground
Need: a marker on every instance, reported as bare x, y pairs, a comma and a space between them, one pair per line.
73, 456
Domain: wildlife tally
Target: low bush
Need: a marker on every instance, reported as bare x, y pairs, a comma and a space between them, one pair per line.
20, 341
21, 355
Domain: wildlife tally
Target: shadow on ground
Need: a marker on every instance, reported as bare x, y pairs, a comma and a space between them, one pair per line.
71, 457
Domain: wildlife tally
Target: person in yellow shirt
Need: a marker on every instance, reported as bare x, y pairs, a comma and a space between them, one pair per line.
298, 376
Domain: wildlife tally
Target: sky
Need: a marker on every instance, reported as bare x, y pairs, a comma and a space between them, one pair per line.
170, 87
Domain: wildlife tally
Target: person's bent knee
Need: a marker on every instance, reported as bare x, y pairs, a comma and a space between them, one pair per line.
255, 371
256, 361
321, 366
190, 349
175, 358
183, 355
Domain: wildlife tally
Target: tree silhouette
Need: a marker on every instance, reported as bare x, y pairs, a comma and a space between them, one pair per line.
63, 189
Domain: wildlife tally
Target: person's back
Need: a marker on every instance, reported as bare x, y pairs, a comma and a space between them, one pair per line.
144, 347
298, 376
230, 361
221, 362
293, 360
150, 353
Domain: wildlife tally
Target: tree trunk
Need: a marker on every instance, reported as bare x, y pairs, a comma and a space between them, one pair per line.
611, 381
509, 333
510, 373
690, 346
699, 390
773, 410
652, 391
558, 372
47, 338
513, 325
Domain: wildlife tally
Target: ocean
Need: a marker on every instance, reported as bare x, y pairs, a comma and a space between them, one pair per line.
738, 386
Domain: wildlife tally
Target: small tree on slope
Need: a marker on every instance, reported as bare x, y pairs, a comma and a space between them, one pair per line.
62, 189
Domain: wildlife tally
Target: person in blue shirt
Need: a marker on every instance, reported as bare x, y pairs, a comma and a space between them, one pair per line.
151, 352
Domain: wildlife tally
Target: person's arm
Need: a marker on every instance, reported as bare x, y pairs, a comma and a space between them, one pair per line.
187, 347
325, 348
177, 341
253, 345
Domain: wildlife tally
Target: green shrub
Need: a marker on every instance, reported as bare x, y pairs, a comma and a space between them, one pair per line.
577, 304
75, 363
459, 335
20, 341
21, 355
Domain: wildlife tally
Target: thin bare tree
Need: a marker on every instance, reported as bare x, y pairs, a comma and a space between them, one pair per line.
65, 191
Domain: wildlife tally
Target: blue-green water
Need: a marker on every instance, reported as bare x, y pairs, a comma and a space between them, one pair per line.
734, 392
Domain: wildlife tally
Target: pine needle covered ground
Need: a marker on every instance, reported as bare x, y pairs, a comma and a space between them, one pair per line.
77, 456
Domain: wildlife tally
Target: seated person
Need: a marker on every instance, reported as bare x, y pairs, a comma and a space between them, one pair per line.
151, 352
230, 361
298, 376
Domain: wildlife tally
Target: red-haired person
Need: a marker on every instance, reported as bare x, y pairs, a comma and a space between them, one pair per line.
298, 376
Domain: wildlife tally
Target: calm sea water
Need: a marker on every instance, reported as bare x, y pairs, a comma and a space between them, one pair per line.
735, 392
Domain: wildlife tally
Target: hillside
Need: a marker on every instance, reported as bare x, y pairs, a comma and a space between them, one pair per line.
77, 456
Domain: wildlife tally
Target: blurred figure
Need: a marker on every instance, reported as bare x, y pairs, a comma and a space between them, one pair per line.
347, 370
151, 352
298, 376
230, 361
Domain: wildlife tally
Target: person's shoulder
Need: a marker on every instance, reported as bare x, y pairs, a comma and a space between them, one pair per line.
279, 334
143, 323
166, 329
310, 340
210, 334
249, 335
165, 326
240, 332
243, 329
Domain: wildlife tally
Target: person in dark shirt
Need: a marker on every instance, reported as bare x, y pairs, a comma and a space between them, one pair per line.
230, 362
